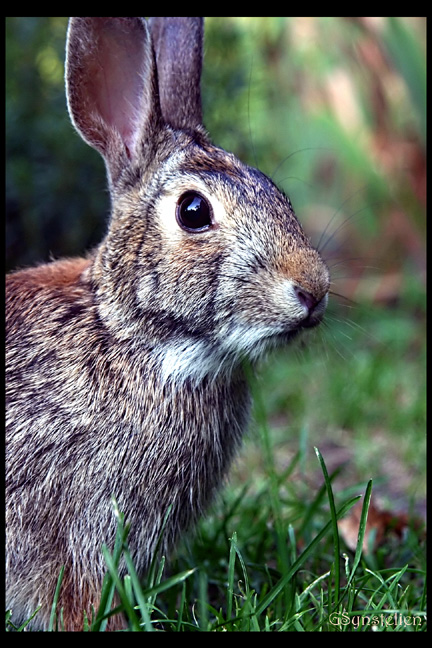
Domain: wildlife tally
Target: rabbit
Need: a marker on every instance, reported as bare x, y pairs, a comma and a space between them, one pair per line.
125, 368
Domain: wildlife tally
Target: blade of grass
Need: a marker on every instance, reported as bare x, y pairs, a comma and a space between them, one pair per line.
231, 565
181, 608
108, 586
203, 600
137, 590
314, 506
25, 624
125, 601
152, 576
55, 600
303, 557
388, 593
169, 582
333, 514
361, 531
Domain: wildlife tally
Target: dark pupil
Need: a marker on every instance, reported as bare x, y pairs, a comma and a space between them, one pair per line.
194, 212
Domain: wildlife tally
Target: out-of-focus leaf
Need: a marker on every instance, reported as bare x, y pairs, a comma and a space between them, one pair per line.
408, 57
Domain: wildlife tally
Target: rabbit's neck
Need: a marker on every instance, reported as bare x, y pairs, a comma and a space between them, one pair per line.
193, 360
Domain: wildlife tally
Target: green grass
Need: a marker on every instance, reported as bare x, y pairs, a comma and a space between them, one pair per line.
309, 583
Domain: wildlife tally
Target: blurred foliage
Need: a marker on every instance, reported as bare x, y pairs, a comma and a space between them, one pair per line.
56, 198
332, 108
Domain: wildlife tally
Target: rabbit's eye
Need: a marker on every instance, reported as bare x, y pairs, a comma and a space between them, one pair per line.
193, 212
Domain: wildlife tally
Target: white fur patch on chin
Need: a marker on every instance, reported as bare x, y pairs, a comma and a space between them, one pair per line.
189, 360
194, 360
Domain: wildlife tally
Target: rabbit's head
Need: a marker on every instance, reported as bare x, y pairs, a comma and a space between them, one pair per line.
204, 261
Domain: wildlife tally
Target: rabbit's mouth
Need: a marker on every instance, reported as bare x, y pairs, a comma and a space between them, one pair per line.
254, 341
285, 338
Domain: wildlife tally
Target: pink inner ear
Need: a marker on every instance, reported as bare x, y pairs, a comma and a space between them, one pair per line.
117, 71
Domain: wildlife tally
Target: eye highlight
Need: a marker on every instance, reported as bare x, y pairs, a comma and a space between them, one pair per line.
193, 212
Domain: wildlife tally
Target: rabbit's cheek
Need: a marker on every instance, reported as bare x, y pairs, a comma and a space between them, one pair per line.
146, 289
269, 310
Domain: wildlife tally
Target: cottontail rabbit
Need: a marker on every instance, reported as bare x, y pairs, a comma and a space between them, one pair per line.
124, 369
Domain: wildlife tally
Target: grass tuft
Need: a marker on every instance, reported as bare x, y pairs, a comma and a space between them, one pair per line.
317, 586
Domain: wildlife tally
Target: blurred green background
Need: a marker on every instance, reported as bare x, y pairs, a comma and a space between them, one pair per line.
334, 110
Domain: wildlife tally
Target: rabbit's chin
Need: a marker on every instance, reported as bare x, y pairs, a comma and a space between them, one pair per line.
193, 361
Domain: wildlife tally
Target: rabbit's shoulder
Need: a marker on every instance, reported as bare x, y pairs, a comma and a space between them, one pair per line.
55, 275
39, 292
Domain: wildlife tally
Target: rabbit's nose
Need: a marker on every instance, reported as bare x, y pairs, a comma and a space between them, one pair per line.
305, 298
315, 307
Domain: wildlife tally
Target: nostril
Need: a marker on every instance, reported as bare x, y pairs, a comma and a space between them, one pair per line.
305, 298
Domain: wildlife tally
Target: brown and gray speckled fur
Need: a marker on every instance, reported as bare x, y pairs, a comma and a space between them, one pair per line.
124, 369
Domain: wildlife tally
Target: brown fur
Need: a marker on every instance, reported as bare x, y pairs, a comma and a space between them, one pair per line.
124, 370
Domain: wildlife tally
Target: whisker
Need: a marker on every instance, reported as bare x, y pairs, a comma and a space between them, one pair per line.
306, 184
347, 260
361, 189
346, 299
329, 336
341, 226
287, 157
254, 155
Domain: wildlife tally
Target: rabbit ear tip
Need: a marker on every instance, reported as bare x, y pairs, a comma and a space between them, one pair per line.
178, 45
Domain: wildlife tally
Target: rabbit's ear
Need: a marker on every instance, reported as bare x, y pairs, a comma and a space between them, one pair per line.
111, 85
178, 44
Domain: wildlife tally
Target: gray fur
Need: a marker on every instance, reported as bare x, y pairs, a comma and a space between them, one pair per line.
124, 369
